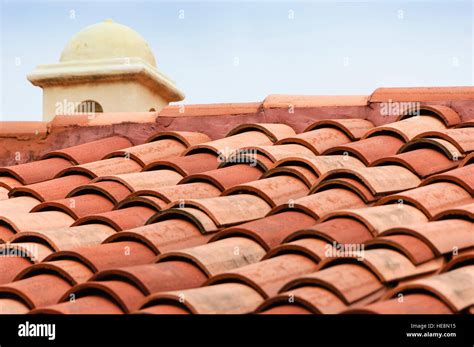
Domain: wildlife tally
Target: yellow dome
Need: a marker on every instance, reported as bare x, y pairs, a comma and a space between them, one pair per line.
107, 40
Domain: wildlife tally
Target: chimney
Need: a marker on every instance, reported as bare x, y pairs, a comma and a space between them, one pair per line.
106, 67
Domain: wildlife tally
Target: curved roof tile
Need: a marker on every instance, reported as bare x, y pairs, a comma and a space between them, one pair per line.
90, 151
355, 128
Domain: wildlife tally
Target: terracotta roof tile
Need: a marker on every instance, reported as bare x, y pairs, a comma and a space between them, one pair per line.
9, 182
32, 251
455, 288
226, 177
144, 180
350, 282
319, 204
355, 128
346, 183
318, 140
380, 218
275, 132
412, 247
321, 164
148, 153
159, 277
93, 304
335, 230
112, 166
70, 270
197, 217
315, 299
90, 151
379, 179
228, 145
442, 237
18, 204
390, 265
162, 196
54, 189
113, 190
306, 175
164, 309
438, 144
77, 207
123, 294
269, 231
224, 298
274, 153
27, 290
127, 218
408, 128
36, 171
274, 190
463, 176
463, 211
219, 256
36, 221
231, 209
415, 162
268, 276
105, 256
420, 94
60, 239
11, 266
167, 235
187, 138
432, 198
187, 165
311, 247
446, 114
411, 304
370, 149
242, 223
12, 306
461, 138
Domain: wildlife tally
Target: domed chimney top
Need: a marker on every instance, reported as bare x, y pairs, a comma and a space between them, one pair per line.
106, 67
107, 40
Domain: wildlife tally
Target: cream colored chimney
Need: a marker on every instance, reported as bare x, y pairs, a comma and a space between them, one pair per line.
106, 67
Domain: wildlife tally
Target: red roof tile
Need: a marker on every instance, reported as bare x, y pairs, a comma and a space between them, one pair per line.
415, 161
370, 149
226, 177
422, 94
188, 165
37, 171
90, 151
242, 222
54, 189
77, 207
67, 237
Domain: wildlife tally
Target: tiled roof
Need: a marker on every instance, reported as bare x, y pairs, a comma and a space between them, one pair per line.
250, 221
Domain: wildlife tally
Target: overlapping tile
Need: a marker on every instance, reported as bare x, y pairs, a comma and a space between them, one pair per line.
250, 222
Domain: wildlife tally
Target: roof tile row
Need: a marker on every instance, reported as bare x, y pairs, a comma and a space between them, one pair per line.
253, 222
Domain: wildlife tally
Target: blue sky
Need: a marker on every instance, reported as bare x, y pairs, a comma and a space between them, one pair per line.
238, 51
